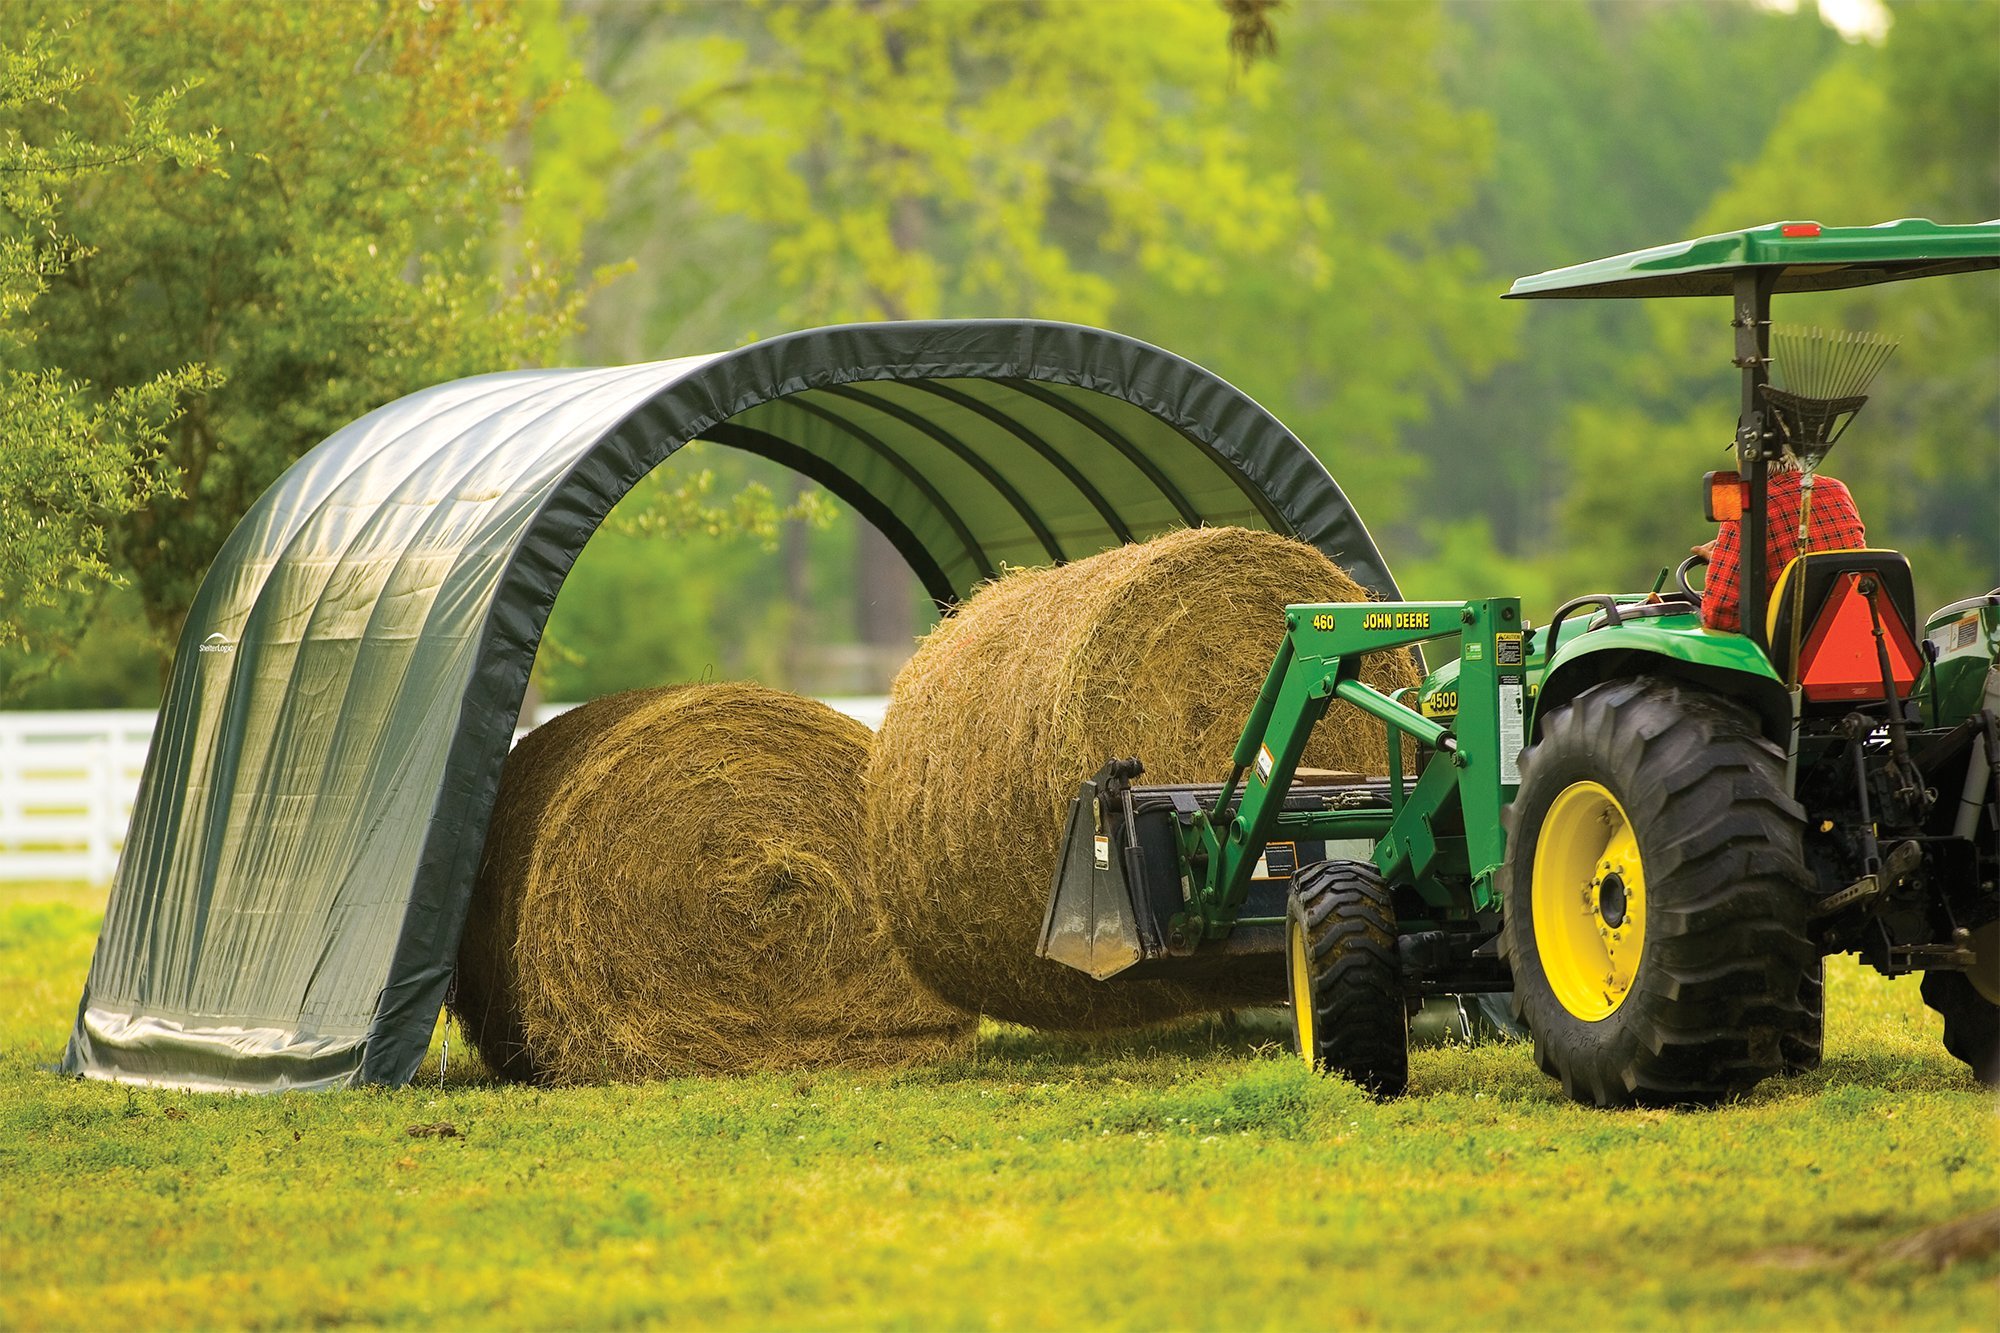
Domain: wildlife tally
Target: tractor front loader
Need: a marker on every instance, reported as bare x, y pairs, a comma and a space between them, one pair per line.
1649, 831
1374, 891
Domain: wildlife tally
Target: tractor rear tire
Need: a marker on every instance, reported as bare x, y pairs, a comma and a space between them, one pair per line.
1346, 979
1967, 1001
1806, 1049
1655, 891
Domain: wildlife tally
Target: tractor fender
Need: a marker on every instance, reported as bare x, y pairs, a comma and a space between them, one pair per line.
1726, 664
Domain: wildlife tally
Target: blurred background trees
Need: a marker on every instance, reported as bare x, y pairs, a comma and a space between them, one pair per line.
74, 460
399, 194
356, 228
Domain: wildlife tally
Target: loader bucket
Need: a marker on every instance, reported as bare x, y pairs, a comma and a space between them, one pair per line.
1092, 923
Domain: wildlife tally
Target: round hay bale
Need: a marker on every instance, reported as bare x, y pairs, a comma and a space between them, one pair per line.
485, 995
676, 881
1155, 650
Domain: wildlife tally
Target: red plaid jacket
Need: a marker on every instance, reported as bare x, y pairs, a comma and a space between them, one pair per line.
1833, 525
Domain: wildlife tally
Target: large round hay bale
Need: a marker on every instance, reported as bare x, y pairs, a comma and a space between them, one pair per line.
485, 995
1155, 650
676, 881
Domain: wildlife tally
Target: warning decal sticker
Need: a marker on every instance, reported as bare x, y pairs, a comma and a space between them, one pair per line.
1512, 733
1279, 861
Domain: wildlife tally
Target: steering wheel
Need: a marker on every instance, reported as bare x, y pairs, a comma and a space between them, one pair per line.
1681, 577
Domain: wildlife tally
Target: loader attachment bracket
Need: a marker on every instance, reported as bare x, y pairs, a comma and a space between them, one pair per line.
1093, 921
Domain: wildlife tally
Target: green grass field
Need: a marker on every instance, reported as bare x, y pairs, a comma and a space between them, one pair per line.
1195, 1178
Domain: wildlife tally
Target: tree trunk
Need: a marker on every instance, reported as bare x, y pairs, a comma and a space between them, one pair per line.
885, 593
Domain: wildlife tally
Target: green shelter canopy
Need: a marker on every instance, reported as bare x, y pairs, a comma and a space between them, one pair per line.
288, 907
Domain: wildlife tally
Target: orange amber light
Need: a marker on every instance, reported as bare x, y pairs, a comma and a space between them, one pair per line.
1722, 496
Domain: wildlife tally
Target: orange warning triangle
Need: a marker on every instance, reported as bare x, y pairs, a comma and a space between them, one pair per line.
1838, 659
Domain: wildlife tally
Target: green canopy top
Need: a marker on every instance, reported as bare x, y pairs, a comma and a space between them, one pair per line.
1809, 257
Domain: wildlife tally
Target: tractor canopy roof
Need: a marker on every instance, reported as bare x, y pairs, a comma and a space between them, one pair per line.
1808, 257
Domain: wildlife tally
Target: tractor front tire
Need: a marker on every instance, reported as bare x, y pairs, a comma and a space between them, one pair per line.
1970, 1003
1655, 894
1346, 979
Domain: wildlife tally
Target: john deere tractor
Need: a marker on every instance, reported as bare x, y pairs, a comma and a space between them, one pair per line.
1648, 831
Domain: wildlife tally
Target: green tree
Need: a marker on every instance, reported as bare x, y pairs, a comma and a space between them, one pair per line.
1613, 124
1104, 162
366, 235
72, 461
1859, 145
1373, 309
910, 160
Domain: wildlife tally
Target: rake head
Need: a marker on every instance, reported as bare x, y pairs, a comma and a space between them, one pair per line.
1820, 375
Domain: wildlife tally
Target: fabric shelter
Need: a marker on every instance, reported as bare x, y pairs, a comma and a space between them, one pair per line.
287, 910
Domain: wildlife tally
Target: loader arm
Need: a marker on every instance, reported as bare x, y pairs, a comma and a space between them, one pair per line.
1190, 881
1471, 776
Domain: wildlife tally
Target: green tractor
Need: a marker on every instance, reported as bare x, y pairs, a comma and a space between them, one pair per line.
1649, 832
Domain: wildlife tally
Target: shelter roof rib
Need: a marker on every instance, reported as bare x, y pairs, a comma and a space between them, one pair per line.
1112, 518
1084, 417
970, 457
937, 585
974, 551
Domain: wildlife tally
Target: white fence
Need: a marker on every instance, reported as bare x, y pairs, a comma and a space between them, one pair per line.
66, 787
67, 781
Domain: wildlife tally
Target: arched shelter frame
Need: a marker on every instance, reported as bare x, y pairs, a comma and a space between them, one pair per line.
288, 907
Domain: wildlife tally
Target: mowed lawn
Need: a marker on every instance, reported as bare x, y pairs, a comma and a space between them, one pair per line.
1190, 1179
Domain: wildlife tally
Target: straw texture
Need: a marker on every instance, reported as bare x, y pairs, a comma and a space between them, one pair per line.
676, 882
1155, 650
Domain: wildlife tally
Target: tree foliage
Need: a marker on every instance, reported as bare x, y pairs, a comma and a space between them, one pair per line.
1090, 161
1374, 309
910, 160
1614, 126
1921, 459
72, 461
398, 191
365, 235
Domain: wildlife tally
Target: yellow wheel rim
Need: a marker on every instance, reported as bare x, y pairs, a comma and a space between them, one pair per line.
1589, 897
1302, 996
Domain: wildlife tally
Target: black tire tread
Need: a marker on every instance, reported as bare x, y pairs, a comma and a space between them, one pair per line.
1360, 1020
1805, 1049
1721, 1001
1971, 1023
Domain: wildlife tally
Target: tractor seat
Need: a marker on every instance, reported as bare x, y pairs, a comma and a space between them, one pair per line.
1820, 604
